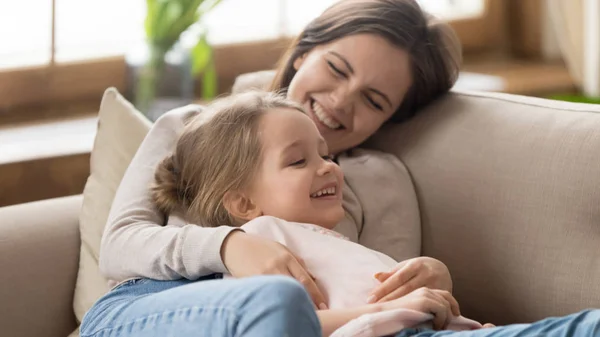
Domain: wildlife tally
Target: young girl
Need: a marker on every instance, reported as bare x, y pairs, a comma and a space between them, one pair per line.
267, 158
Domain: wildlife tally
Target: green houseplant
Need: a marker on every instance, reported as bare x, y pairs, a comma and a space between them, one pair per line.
166, 21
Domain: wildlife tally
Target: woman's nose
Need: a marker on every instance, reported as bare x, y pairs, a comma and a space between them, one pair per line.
341, 100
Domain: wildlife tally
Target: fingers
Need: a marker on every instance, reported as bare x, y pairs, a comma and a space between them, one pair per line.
382, 276
301, 261
395, 281
298, 272
439, 308
406, 288
488, 325
440, 303
450, 306
454, 306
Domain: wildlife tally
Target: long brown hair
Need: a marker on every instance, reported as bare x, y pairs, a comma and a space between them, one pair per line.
212, 156
434, 49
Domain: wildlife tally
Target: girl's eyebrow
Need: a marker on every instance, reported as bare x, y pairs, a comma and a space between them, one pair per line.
292, 145
351, 70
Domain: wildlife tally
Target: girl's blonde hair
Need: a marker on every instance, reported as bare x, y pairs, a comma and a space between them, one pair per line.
213, 156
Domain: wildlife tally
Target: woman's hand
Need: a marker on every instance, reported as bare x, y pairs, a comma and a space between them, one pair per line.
248, 255
410, 275
440, 303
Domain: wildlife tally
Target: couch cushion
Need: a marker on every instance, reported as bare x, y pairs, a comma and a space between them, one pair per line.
258, 80
509, 192
39, 243
121, 129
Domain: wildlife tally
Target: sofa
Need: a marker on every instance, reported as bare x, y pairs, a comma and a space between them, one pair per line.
508, 189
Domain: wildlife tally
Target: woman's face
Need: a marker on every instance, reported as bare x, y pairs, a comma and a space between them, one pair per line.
351, 86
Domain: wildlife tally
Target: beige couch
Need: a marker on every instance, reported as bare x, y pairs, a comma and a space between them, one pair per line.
509, 197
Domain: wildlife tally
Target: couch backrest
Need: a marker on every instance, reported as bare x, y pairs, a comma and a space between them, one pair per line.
509, 195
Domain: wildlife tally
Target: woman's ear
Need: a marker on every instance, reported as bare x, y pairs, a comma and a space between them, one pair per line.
298, 61
240, 206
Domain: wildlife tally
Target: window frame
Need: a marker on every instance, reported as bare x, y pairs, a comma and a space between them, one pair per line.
56, 84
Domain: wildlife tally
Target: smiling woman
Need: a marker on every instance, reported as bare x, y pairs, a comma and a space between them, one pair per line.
348, 89
343, 95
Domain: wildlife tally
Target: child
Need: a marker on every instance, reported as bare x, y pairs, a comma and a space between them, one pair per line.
258, 162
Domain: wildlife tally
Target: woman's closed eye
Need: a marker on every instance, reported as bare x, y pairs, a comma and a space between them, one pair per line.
373, 103
336, 70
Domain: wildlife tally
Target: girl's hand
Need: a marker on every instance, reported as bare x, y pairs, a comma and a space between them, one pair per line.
409, 275
440, 303
249, 255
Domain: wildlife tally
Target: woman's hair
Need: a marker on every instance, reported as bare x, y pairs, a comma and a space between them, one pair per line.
434, 49
213, 155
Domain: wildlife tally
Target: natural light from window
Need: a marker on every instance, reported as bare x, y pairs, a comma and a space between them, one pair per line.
91, 29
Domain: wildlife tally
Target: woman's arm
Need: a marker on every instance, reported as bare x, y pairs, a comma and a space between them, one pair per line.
136, 242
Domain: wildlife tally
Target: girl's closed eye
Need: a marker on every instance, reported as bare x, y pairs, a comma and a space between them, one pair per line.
298, 162
327, 157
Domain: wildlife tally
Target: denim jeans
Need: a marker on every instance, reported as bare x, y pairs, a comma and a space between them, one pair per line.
261, 306
585, 323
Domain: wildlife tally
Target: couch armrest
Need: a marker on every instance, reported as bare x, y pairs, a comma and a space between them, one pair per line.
39, 257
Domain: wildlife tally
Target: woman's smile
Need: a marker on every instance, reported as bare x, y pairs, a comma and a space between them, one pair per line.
323, 116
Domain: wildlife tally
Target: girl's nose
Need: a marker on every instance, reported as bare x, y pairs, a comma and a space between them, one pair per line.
327, 167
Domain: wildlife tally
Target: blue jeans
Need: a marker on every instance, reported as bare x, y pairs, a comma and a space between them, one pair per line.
585, 323
261, 306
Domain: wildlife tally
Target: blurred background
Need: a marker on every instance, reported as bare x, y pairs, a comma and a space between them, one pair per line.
58, 56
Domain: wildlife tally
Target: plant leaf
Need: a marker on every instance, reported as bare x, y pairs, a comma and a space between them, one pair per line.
201, 55
158, 21
207, 5
189, 15
151, 8
209, 81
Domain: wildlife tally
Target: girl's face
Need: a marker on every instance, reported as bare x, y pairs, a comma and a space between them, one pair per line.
351, 86
297, 180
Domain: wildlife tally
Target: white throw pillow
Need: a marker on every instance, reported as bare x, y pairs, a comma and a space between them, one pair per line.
121, 129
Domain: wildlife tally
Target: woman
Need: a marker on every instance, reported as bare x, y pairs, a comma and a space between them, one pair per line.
360, 64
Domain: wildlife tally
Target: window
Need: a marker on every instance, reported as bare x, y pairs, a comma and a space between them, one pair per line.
89, 29
84, 29
25, 36
454, 9
42, 52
